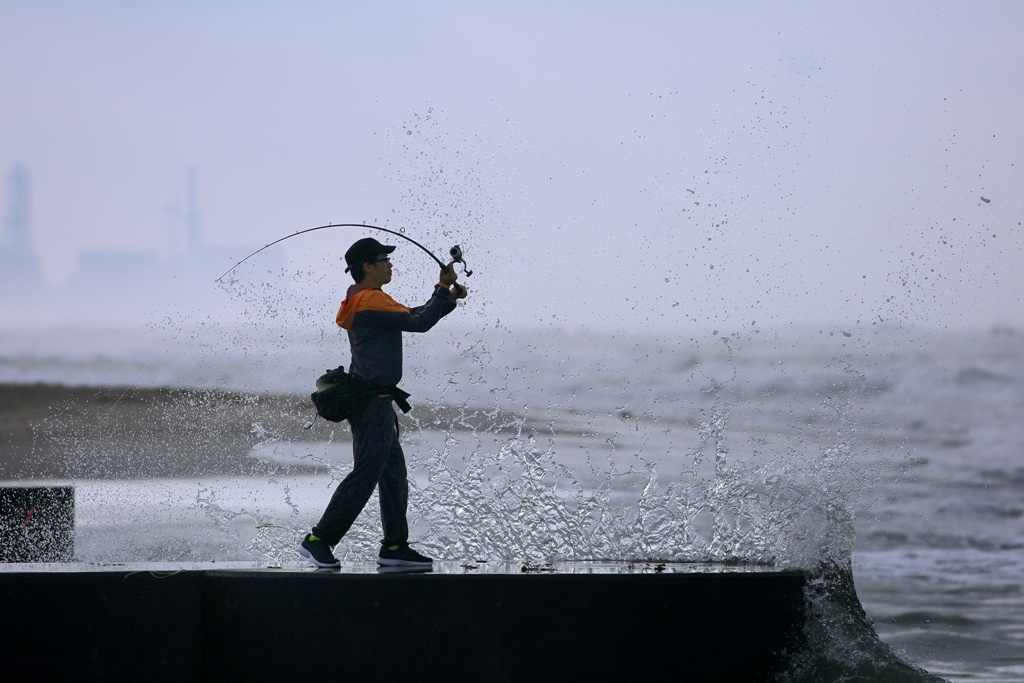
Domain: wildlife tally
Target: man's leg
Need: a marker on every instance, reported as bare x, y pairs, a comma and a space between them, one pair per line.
373, 438
394, 494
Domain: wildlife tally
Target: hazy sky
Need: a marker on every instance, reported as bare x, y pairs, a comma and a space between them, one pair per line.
697, 164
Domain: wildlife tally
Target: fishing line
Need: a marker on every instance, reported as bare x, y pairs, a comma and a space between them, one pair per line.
455, 252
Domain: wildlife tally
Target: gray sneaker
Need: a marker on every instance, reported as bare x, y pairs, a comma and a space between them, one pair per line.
319, 553
401, 556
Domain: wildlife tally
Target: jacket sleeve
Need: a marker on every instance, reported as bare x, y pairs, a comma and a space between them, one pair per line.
418, 319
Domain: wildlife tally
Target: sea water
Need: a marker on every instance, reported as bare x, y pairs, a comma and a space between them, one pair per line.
895, 452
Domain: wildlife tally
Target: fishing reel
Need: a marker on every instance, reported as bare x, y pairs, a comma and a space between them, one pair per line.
456, 254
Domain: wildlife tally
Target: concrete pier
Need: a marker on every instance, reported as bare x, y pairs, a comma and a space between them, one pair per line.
281, 625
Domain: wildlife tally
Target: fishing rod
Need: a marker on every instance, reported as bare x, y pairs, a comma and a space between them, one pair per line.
455, 252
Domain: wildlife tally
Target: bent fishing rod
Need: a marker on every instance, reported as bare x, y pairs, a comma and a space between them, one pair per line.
455, 252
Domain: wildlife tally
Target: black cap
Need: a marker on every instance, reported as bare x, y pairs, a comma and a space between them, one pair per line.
364, 251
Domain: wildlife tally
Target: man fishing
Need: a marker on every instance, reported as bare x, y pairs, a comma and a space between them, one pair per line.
375, 323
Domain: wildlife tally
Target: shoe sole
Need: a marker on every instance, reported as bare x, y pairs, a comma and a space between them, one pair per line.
309, 556
386, 562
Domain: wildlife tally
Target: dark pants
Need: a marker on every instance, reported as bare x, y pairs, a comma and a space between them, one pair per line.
378, 462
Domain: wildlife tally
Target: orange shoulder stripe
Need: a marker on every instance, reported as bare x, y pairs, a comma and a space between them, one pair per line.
366, 300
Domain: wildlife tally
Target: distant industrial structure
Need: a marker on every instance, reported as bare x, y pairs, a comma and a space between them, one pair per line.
138, 274
195, 240
110, 284
21, 274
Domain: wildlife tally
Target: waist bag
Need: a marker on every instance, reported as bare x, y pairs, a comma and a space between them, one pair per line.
340, 395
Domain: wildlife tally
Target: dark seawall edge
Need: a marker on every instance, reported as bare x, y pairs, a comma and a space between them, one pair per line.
246, 625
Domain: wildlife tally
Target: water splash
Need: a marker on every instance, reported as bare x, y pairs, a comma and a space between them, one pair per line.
510, 497
506, 482
839, 643
520, 503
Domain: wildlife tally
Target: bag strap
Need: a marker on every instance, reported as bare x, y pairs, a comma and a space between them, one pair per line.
401, 397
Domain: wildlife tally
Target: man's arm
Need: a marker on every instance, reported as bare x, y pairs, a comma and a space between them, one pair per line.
385, 313
419, 319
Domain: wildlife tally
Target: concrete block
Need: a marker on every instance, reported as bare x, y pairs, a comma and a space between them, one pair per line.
37, 524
